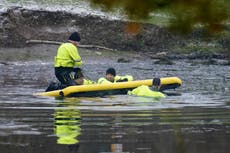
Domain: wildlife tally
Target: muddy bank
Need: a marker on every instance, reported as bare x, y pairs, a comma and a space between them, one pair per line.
19, 24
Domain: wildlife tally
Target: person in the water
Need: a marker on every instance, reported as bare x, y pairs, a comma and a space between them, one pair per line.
111, 77
146, 91
143, 90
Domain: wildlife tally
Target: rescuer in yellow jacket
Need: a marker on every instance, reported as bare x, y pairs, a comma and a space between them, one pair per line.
111, 77
66, 59
146, 91
143, 90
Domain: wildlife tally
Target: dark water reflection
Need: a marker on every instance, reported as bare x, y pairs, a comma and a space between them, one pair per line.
38, 129
196, 121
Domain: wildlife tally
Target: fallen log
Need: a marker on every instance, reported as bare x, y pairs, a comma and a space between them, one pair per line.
59, 43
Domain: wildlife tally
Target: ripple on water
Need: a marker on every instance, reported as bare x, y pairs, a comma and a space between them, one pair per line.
201, 111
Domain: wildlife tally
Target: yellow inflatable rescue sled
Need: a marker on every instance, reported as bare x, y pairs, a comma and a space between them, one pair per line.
110, 89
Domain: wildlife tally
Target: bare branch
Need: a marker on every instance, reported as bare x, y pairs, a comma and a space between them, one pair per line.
59, 43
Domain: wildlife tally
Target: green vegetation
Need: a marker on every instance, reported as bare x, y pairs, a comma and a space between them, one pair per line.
185, 14
203, 47
178, 15
209, 16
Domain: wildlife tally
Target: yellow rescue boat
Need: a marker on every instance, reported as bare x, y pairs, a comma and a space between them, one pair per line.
110, 89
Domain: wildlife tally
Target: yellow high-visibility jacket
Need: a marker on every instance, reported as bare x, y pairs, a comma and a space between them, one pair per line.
88, 82
103, 80
128, 77
67, 56
145, 91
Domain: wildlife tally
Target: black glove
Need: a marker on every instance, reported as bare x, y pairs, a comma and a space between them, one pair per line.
122, 80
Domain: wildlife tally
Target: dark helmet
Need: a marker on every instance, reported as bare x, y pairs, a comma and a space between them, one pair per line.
111, 71
75, 37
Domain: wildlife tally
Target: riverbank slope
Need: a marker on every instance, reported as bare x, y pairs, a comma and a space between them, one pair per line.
17, 25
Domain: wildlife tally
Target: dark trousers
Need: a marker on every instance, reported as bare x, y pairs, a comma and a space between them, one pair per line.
63, 74
55, 86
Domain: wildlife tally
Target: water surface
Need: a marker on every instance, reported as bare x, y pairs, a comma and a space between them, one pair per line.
196, 121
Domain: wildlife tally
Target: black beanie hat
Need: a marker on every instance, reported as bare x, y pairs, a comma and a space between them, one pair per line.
111, 71
75, 37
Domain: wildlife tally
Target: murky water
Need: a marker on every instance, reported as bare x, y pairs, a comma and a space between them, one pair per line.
196, 121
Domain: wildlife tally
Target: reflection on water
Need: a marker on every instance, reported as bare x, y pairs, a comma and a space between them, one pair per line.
70, 126
68, 129
196, 121
67, 125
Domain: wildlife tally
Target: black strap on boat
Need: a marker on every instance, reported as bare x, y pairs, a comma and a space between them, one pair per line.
61, 94
156, 82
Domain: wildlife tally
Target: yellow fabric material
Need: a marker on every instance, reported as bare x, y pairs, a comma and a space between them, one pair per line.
146, 92
129, 77
67, 56
88, 82
67, 134
103, 80
67, 125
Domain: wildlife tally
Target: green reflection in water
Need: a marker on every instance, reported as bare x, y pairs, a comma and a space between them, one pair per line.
67, 123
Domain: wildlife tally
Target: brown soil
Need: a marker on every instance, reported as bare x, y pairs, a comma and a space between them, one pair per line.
19, 24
